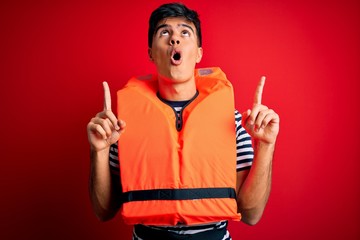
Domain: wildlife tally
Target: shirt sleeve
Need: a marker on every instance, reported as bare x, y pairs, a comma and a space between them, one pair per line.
244, 149
114, 160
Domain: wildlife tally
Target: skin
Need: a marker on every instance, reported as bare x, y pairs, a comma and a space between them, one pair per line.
103, 130
253, 186
177, 82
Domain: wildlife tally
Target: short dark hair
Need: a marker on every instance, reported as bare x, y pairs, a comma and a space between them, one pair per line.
173, 10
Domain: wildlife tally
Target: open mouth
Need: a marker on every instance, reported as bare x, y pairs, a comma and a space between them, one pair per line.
176, 57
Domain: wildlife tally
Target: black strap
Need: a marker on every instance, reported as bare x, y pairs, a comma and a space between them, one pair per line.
178, 194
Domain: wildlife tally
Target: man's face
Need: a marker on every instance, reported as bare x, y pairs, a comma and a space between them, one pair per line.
175, 50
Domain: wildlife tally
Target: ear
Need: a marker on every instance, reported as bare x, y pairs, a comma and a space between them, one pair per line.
199, 55
150, 54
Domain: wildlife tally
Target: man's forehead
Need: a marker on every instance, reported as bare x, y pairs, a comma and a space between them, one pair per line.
175, 21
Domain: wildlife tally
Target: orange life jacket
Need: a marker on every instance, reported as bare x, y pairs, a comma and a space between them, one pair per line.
173, 176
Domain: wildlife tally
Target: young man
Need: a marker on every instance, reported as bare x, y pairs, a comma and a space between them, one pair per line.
182, 156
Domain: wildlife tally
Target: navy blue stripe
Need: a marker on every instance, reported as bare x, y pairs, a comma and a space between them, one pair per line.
245, 139
243, 131
243, 161
244, 146
245, 153
115, 169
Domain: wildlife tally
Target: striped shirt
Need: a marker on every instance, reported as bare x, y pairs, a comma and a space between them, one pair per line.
244, 158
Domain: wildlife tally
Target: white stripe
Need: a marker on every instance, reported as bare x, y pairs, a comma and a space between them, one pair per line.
245, 157
243, 135
243, 165
114, 164
245, 149
112, 156
191, 231
114, 149
244, 142
227, 235
221, 224
136, 236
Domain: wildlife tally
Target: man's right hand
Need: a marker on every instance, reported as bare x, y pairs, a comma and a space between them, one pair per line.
104, 129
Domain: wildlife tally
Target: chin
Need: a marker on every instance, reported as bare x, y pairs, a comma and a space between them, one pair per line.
180, 77
181, 73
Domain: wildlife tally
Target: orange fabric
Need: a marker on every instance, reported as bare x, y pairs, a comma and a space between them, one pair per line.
154, 155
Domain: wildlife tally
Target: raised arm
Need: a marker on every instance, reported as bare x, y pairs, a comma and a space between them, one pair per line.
262, 124
103, 130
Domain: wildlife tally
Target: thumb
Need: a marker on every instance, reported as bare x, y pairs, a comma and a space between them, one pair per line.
115, 136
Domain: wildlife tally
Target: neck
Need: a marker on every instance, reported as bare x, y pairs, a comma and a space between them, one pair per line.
176, 91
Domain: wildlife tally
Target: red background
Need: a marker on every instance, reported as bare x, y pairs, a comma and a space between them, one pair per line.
55, 54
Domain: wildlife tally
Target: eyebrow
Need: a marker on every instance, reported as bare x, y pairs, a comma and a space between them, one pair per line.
167, 25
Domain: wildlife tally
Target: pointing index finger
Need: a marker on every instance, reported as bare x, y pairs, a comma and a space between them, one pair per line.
259, 90
107, 97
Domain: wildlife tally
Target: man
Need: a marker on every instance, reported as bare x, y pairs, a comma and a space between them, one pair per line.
175, 48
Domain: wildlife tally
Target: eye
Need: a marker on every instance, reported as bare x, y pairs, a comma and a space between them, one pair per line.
185, 33
164, 33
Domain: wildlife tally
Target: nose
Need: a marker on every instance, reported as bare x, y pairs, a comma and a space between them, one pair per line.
174, 41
